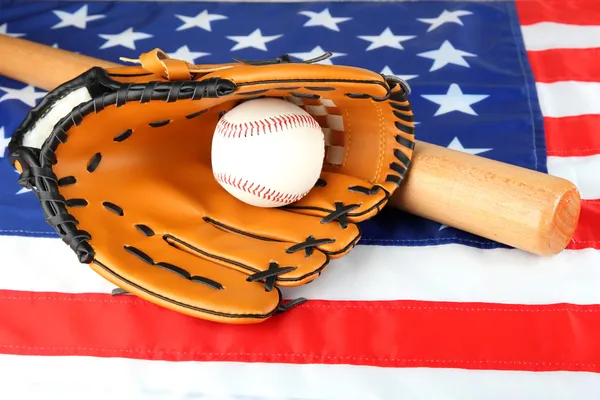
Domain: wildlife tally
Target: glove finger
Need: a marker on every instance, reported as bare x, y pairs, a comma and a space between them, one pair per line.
151, 269
306, 231
368, 150
271, 262
342, 198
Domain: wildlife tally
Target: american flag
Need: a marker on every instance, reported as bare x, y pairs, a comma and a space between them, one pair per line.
418, 310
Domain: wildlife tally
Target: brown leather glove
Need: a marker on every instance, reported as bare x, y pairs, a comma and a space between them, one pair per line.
120, 161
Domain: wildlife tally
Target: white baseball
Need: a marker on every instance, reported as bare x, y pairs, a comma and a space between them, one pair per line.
267, 152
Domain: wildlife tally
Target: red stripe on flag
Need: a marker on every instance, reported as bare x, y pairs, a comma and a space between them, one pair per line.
587, 234
566, 65
576, 12
573, 136
379, 333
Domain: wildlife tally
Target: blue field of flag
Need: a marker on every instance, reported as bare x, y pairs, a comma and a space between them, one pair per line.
472, 87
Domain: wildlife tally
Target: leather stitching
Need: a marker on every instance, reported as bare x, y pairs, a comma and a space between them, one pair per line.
38, 174
381, 142
348, 131
191, 307
230, 129
257, 190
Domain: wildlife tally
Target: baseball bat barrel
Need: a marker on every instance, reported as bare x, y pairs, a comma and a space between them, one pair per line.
515, 206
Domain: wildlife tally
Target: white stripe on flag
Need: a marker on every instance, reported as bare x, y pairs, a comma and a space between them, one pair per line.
76, 378
569, 98
444, 273
551, 35
45, 264
583, 171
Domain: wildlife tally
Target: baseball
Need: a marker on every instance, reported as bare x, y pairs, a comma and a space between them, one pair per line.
267, 152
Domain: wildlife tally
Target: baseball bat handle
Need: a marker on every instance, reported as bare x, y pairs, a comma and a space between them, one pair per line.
43, 66
521, 208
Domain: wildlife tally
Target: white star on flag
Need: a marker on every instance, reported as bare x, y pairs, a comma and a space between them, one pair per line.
55, 45
255, 40
4, 31
202, 20
23, 189
317, 52
78, 19
455, 144
323, 19
445, 17
4, 140
126, 39
387, 71
184, 53
455, 100
386, 39
446, 54
27, 95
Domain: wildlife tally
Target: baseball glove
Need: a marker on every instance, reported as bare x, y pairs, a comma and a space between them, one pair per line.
120, 162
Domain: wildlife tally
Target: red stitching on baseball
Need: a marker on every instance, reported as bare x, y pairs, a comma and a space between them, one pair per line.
256, 189
228, 129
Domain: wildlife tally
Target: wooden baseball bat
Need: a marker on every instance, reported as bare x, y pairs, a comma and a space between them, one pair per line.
521, 208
